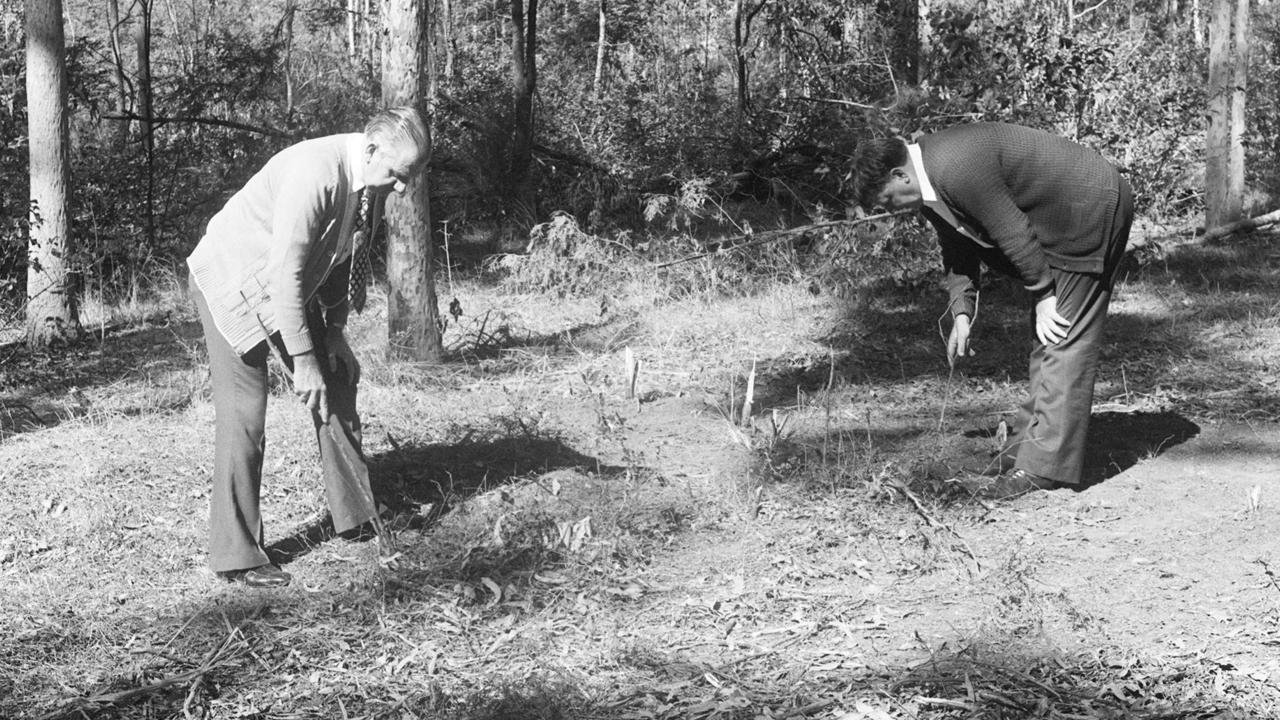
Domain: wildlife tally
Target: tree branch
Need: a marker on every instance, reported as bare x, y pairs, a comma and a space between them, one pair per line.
1086, 11
834, 101
769, 236
197, 120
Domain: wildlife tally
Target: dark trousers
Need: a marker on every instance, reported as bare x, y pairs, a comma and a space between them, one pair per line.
1050, 430
240, 411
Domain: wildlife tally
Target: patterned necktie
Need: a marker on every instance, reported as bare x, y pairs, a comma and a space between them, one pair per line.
357, 288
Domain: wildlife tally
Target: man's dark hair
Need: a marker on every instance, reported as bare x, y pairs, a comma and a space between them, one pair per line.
873, 160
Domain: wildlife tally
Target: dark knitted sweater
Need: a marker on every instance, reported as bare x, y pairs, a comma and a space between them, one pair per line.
1040, 199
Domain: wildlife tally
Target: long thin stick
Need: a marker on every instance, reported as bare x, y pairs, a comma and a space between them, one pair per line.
774, 235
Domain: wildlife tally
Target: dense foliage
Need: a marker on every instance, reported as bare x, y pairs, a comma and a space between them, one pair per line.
761, 107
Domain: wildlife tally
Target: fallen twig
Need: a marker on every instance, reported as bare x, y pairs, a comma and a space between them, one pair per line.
933, 522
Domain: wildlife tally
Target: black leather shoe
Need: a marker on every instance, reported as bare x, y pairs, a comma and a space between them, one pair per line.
1015, 483
263, 576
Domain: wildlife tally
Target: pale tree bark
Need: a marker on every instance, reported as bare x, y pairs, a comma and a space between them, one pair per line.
412, 313
51, 308
524, 80
446, 29
597, 86
353, 10
1224, 141
117, 61
290, 10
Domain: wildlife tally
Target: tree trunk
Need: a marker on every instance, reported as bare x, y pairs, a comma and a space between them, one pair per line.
524, 78
1197, 29
1224, 149
740, 55
1239, 94
117, 58
446, 29
290, 9
412, 314
142, 40
597, 86
51, 307
352, 11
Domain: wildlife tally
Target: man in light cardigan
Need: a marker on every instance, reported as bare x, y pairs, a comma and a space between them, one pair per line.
283, 258
1036, 207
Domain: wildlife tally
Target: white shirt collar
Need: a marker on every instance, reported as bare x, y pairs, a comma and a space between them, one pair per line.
927, 193
930, 198
355, 160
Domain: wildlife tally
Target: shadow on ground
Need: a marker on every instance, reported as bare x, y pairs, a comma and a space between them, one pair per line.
44, 389
1119, 440
418, 483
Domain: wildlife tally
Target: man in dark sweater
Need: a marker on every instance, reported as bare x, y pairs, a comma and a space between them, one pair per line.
1039, 208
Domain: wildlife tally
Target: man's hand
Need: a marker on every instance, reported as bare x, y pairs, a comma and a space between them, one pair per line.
958, 343
340, 353
308, 384
1051, 328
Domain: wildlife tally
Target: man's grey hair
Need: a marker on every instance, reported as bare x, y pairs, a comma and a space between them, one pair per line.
398, 126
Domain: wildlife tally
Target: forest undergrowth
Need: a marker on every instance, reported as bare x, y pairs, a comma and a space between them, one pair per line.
567, 551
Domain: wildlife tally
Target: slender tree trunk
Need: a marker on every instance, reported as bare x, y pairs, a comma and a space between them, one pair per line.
186, 50
924, 38
1197, 27
597, 86
446, 24
1239, 94
740, 55
1224, 150
370, 39
142, 41
142, 45
51, 307
524, 78
412, 313
117, 61
290, 9
352, 11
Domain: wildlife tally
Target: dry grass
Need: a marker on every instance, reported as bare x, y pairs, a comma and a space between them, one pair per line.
568, 553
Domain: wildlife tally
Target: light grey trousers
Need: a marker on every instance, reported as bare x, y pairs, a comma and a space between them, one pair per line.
240, 410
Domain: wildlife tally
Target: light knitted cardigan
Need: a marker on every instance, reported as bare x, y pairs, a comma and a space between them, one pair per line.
283, 240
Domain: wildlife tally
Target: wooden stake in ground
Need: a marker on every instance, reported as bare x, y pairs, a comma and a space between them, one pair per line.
631, 367
750, 395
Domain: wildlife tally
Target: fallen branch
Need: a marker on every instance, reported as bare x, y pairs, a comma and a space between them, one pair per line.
769, 236
1245, 225
934, 523
227, 650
